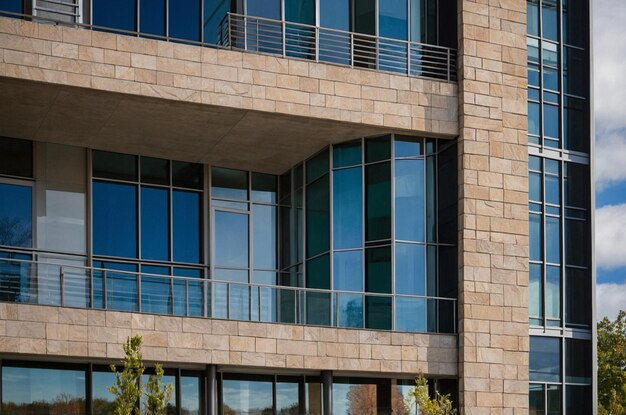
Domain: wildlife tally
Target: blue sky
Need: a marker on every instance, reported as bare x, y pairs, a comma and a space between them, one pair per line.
609, 45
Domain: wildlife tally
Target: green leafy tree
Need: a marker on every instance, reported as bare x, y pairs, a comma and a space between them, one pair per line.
127, 388
439, 405
612, 365
157, 394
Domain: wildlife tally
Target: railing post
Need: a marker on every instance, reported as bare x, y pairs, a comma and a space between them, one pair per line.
171, 299
228, 301
61, 284
448, 65
90, 285
104, 290
138, 292
317, 44
229, 31
186, 298
408, 58
284, 28
351, 49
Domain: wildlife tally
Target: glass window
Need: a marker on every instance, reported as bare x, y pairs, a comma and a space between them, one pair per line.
318, 308
535, 240
156, 296
114, 165
551, 121
155, 229
377, 149
535, 308
553, 240
348, 270
532, 17
170, 408
553, 292
532, 46
184, 19
318, 272
378, 313
575, 124
350, 310
187, 175
231, 239
576, 242
243, 394
577, 296
16, 156
347, 208
229, 183
575, 66
287, 396
264, 237
115, 14
392, 19
318, 217
536, 399
102, 400
365, 17
378, 270
115, 219
549, 19
534, 117
578, 361
410, 314
16, 215
264, 188
353, 398
121, 286
263, 8
550, 54
187, 226
14, 6
317, 166
378, 201
554, 399
410, 269
152, 17
189, 395
545, 359
535, 193
578, 400
347, 154
300, 11
155, 171
575, 16
188, 295
409, 200
42, 391
214, 13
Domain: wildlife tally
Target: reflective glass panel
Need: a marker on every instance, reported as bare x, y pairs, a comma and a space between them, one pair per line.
318, 217
378, 313
575, 66
378, 270
318, 308
156, 295
410, 269
188, 294
287, 397
354, 398
263, 8
264, 237
578, 361
121, 287
534, 117
536, 238
532, 17
350, 310
318, 272
184, 19
575, 17
170, 407
535, 308
317, 166
14, 6
152, 17
577, 296
214, 13
16, 215
187, 226
16, 156
243, 395
42, 391
155, 171
551, 121
392, 19
300, 11
575, 124
578, 400
378, 201
553, 292
102, 400
409, 200
537, 401
115, 166
410, 314
347, 154
553, 240
155, 226
115, 219
115, 14
229, 183
545, 359
187, 175
348, 270
189, 395
549, 19
555, 398
535, 188
264, 188
347, 208
377, 149
231, 239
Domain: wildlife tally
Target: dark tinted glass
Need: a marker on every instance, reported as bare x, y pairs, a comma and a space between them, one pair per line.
152, 17
14, 6
187, 226
378, 270
409, 198
575, 124
114, 166
229, 183
300, 11
43, 391
348, 270
347, 208
184, 19
318, 272
545, 359
214, 13
263, 8
115, 219
348, 154
16, 156
350, 310
378, 313
318, 306
578, 400
318, 217
578, 361
231, 239
536, 399
377, 149
575, 67
187, 175
264, 187
155, 171
116, 14
155, 213
16, 215
577, 296
575, 17
410, 269
576, 242
317, 166
378, 201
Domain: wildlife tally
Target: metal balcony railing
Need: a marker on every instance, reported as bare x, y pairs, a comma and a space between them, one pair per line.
44, 283
320, 44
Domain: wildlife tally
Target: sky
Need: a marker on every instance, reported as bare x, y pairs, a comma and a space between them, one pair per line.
609, 44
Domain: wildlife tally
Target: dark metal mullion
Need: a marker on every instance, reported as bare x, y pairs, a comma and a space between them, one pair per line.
178, 398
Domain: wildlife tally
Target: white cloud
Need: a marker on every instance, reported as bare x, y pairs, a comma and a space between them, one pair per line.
610, 157
611, 236
610, 299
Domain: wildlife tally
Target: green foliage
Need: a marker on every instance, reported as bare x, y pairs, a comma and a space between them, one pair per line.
127, 388
440, 405
612, 365
157, 394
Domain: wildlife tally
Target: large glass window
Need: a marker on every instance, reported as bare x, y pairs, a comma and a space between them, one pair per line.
114, 219
545, 359
16, 156
184, 19
243, 394
115, 14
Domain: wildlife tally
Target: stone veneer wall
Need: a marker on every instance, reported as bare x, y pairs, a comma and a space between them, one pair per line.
96, 335
131, 65
493, 226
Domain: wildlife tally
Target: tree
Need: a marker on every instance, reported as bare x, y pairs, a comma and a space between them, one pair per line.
127, 388
157, 394
612, 365
439, 405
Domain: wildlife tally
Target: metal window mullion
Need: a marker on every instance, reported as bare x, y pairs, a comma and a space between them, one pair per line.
544, 241
250, 245
363, 226
392, 179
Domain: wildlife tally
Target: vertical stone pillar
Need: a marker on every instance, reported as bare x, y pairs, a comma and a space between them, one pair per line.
493, 208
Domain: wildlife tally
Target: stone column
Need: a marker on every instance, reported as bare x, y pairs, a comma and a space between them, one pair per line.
493, 208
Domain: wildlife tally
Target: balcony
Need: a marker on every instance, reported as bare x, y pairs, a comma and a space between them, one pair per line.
54, 284
356, 50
